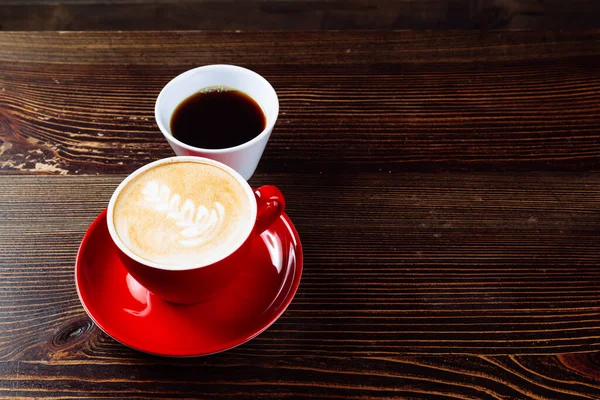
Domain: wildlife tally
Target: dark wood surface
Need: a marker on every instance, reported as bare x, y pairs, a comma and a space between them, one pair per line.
362, 101
446, 188
36, 15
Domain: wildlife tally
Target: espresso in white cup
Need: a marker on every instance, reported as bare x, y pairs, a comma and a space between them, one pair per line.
244, 157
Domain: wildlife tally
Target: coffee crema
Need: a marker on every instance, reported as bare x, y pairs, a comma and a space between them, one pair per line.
182, 214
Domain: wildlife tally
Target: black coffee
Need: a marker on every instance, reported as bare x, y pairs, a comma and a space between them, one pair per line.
217, 118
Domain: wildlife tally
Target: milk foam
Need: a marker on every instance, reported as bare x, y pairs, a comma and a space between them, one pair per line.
182, 214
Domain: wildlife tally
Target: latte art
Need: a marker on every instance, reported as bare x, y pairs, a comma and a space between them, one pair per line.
183, 214
197, 223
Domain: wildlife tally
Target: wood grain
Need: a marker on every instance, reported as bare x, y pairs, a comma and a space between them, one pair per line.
82, 103
445, 186
266, 376
415, 286
37, 15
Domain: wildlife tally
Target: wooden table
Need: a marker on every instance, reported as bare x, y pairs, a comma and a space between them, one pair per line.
446, 188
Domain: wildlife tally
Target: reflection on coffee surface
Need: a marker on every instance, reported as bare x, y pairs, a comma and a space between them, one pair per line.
183, 214
217, 118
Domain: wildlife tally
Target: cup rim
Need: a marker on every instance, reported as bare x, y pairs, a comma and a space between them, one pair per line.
175, 159
236, 69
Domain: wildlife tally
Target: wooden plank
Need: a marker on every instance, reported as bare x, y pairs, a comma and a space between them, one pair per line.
37, 15
233, 15
394, 263
134, 375
370, 52
82, 103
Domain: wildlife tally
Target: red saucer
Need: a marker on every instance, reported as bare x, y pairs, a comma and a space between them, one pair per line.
128, 313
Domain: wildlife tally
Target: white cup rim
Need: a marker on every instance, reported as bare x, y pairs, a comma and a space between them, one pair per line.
119, 243
234, 69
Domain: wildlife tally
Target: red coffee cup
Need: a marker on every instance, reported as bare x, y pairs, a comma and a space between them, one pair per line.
188, 284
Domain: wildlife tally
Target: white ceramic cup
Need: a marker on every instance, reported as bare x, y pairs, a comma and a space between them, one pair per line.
243, 158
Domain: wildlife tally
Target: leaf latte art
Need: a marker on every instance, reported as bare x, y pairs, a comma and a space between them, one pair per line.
183, 214
197, 224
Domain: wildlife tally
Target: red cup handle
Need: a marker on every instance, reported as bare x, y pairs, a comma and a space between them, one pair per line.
269, 206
